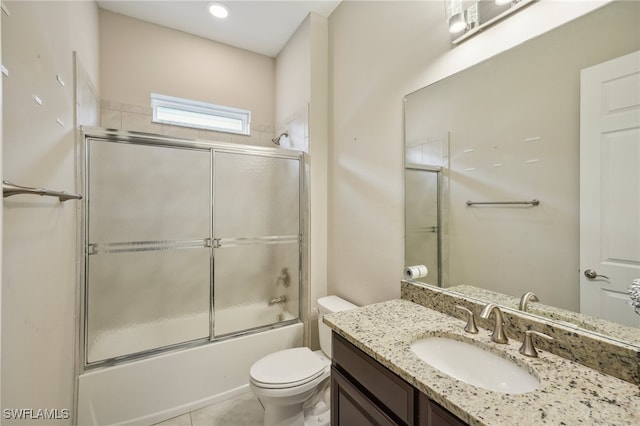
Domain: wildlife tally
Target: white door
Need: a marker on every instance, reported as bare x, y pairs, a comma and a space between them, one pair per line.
610, 188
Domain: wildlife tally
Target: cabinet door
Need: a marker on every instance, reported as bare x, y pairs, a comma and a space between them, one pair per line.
431, 414
351, 407
396, 395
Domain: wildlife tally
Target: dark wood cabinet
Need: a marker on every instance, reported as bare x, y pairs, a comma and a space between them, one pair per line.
350, 406
364, 392
432, 414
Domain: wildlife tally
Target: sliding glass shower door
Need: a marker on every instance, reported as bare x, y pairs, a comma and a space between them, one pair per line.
186, 242
149, 256
256, 239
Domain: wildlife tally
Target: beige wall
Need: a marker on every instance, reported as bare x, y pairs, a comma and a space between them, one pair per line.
375, 50
301, 111
138, 58
318, 154
39, 241
293, 88
380, 52
1, 142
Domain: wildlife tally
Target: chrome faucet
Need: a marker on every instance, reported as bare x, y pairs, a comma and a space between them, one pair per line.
277, 300
498, 335
526, 298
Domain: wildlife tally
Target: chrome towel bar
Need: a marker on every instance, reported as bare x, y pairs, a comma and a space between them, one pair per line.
9, 189
475, 203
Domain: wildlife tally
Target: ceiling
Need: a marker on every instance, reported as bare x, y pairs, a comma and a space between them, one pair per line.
261, 26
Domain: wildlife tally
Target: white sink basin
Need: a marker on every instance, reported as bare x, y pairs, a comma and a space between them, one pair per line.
475, 366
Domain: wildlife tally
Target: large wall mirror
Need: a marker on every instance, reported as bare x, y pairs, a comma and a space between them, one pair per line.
509, 129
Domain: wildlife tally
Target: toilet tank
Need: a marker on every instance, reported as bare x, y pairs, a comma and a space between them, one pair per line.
329, 305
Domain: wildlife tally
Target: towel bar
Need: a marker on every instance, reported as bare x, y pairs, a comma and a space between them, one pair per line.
474, 203
9, 189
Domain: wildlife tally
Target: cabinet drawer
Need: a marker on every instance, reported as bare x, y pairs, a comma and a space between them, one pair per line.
349, 406
394, 393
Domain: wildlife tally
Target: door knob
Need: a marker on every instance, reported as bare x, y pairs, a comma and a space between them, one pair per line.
592, 275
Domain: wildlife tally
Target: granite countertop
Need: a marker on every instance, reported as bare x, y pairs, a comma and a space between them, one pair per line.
569, 394
617, 331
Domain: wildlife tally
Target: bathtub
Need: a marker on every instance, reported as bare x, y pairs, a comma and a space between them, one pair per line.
148, 335
159, 387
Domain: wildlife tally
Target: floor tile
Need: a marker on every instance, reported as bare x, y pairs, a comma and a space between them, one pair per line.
184, 420
243, 410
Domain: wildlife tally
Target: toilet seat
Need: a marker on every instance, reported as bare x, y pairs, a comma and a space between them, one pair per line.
287, 368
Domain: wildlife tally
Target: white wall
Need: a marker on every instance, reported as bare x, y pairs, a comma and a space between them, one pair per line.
39, 241
380, 52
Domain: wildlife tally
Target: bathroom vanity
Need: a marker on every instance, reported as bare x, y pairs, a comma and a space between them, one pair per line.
378, 379
365, 392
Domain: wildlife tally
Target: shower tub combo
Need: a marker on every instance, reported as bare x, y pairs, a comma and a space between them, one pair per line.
192, 271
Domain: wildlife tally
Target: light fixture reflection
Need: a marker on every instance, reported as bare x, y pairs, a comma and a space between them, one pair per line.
502, 2
218, 10
457, 23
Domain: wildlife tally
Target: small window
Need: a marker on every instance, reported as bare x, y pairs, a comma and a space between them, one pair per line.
200, 115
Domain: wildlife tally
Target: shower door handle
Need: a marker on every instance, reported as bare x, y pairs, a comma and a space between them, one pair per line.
428, 229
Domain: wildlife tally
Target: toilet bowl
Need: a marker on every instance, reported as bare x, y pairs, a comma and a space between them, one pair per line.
292, 382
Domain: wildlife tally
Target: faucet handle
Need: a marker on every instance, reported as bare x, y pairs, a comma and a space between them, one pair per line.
527, 347
471, 320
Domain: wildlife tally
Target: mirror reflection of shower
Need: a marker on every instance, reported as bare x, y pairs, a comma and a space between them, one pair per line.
423, 220
276, 140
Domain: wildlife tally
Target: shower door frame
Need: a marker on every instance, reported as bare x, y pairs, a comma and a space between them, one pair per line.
128, 137
438, 171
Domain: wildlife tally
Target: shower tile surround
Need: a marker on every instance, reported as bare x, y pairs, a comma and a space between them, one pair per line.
569, 393
121, 116
613, 358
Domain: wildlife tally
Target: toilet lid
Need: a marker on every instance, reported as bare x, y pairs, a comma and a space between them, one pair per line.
287, 368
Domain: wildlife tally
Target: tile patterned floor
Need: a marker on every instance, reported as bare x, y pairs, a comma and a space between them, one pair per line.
243, 410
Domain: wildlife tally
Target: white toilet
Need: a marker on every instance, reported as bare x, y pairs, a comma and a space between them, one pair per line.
293, 384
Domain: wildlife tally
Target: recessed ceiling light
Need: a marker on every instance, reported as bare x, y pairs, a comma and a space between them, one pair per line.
218, 10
